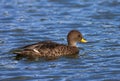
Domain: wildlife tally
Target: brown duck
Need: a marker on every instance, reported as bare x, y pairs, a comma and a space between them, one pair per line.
49, 49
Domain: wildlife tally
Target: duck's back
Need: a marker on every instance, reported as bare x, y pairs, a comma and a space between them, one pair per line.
47, 49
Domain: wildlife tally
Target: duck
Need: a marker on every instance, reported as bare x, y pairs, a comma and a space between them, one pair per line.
50, 49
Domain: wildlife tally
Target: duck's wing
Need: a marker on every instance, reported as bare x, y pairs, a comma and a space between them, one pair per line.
39, 47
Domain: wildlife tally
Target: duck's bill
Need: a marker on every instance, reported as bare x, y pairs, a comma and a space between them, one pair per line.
83, 40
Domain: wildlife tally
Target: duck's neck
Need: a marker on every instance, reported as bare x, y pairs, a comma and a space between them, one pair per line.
71, 43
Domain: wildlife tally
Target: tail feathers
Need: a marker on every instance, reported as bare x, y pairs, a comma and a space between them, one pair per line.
17, 51
26, 52
23, 52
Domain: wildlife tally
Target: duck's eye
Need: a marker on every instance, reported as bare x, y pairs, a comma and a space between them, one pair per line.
78, 35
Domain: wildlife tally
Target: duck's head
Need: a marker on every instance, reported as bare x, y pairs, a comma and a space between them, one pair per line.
75, 36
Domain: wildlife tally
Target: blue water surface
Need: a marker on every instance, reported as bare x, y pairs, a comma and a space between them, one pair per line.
24, 22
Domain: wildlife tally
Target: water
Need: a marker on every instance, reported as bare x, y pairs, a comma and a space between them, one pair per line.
24, 22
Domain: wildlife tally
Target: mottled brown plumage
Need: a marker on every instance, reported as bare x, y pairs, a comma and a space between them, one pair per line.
49, 49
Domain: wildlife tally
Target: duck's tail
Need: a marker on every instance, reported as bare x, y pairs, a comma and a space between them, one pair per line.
18, 51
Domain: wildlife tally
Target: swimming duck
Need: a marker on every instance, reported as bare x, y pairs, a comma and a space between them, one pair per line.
49, 49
